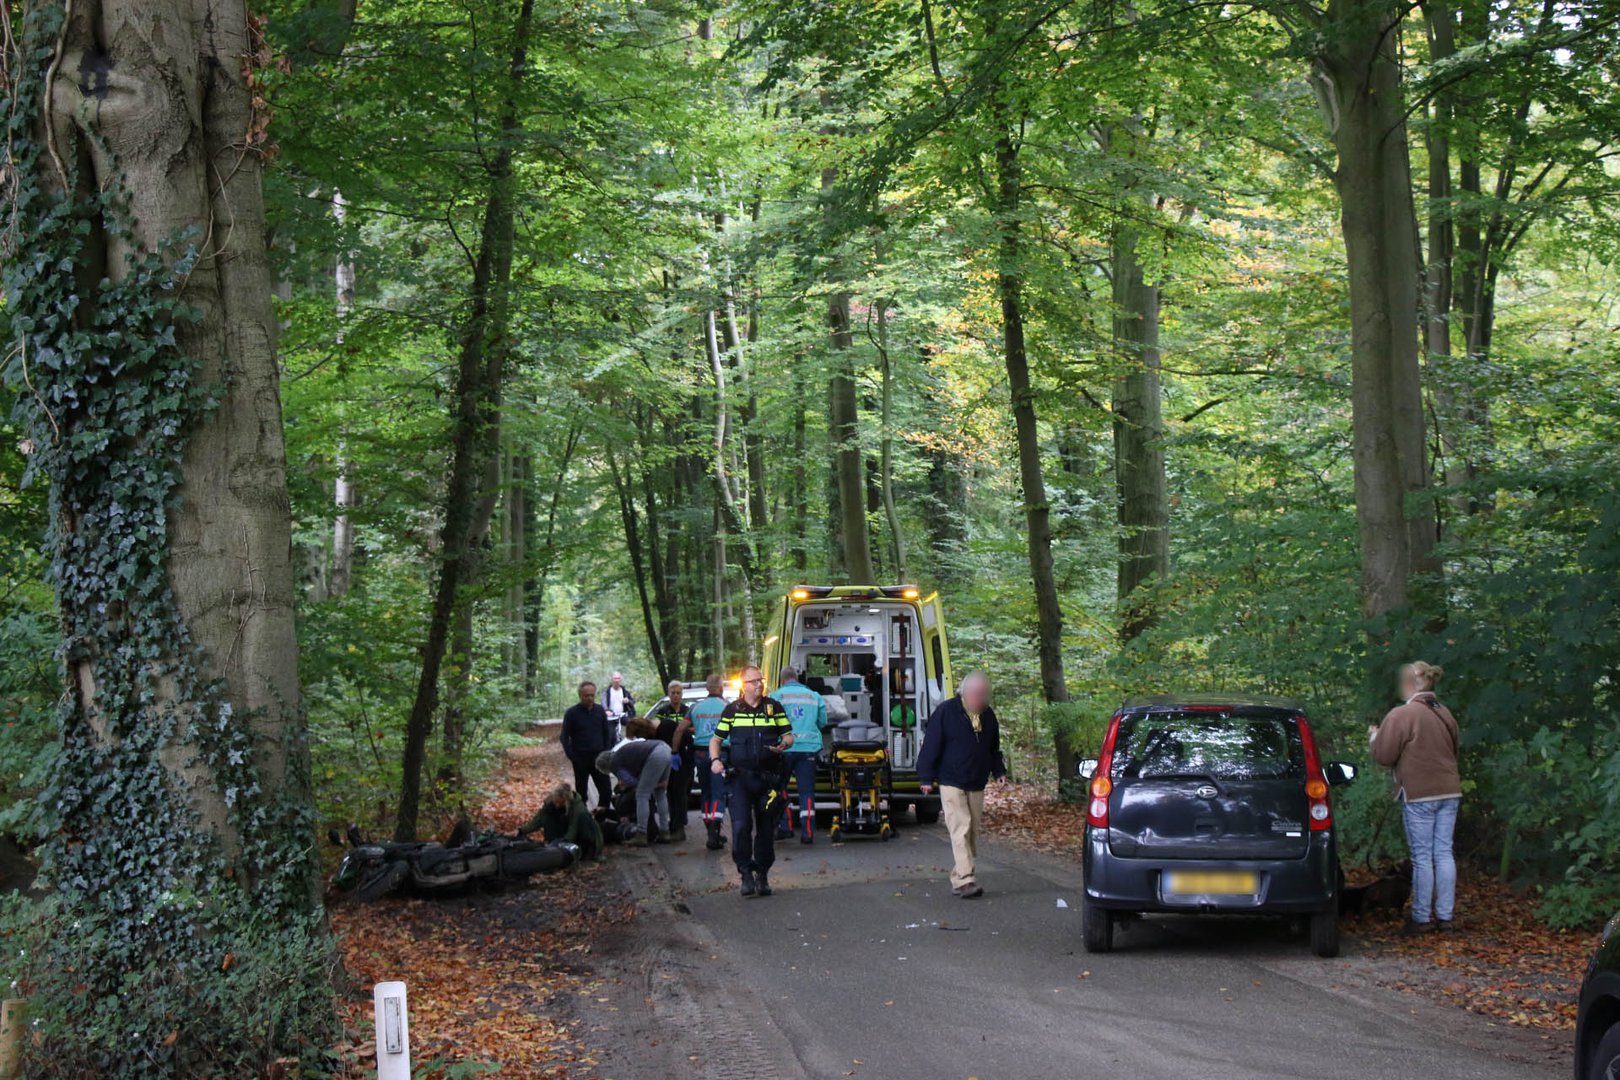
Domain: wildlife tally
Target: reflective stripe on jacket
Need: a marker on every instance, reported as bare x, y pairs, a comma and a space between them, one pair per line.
808, 712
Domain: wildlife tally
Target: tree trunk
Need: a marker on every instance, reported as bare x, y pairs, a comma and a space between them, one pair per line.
475, 428
843, 434
1360, 90
182, 738
1037, 514
1144, 505
638, 563
799, 510
891, 514
341, 579
463, 640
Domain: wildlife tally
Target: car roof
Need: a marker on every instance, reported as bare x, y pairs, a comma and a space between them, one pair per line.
1148, 702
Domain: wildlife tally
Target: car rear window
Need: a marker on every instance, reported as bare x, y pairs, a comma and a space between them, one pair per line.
1225, 746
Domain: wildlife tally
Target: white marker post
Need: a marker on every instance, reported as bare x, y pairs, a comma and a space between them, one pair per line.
393, 1031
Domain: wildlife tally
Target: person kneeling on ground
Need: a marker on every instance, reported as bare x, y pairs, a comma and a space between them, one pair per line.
643, 762
564, 817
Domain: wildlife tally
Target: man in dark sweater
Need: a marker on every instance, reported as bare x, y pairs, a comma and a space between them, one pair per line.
961, 751
586, 733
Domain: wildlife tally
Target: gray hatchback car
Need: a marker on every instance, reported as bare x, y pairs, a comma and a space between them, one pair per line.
1210, 804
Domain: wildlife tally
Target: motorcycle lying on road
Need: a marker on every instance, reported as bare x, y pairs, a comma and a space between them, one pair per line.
470, 860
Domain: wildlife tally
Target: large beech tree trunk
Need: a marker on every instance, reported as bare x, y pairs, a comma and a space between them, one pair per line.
182, 772
150, 95
1359, 84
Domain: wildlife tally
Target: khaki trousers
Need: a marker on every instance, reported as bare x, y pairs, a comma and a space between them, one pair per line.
964, 811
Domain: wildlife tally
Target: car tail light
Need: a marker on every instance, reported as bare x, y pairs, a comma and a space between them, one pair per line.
1102, 784
1316, 787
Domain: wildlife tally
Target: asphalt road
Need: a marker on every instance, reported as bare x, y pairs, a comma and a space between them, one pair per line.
865, 965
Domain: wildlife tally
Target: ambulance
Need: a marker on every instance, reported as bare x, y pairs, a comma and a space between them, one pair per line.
878, 653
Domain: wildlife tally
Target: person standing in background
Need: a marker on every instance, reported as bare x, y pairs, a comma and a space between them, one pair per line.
705, 716
1419, 740
808, 712
962, 750
675, 731
586, 732
619, 703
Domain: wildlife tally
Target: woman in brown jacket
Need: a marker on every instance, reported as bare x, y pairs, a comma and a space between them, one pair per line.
1418, 740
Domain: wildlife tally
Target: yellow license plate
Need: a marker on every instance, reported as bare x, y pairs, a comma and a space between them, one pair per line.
1211, 883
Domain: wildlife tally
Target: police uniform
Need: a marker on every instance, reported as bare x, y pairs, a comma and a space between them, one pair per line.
753, 784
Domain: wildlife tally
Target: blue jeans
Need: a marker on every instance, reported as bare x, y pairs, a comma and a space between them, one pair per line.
802, 767
1429, 826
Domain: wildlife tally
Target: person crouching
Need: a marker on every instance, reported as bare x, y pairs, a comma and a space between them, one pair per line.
564, 817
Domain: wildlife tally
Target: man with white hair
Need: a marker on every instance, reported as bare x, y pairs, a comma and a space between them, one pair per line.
618, 701
961, 751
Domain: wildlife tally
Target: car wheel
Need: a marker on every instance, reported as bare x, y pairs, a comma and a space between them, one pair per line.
1096, 928
383, 882
927, 813
1606, 1058
1325, 933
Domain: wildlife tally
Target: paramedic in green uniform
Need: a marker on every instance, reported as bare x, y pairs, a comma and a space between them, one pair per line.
808, 712
756, 732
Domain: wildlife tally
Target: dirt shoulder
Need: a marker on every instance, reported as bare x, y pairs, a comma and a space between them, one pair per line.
501, 984
595, 973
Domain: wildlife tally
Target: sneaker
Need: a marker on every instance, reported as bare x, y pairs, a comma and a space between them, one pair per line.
783, 834
677, 835
806, 838
638, 840
1444, 926
763, 885
748, 886
970, 891
1413, 928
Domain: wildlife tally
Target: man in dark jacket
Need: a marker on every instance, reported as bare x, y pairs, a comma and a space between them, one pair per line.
961, 751
586, 733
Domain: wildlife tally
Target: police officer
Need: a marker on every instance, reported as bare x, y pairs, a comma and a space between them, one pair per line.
757, 732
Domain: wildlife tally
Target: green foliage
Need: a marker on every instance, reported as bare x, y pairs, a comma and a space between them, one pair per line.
231, 1008
148, 902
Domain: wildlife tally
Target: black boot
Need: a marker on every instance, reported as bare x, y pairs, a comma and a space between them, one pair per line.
716, 841
761, 883
748, 887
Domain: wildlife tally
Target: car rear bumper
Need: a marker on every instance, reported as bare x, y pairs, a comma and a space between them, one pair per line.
1285, 886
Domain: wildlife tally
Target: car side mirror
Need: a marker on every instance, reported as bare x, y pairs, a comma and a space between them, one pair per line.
1087, 768
1340, 773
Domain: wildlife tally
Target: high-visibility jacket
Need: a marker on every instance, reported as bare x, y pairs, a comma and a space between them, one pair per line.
808, 712
705, 714
749, 729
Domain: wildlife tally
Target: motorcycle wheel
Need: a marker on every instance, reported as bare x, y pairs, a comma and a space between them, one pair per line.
384, 881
